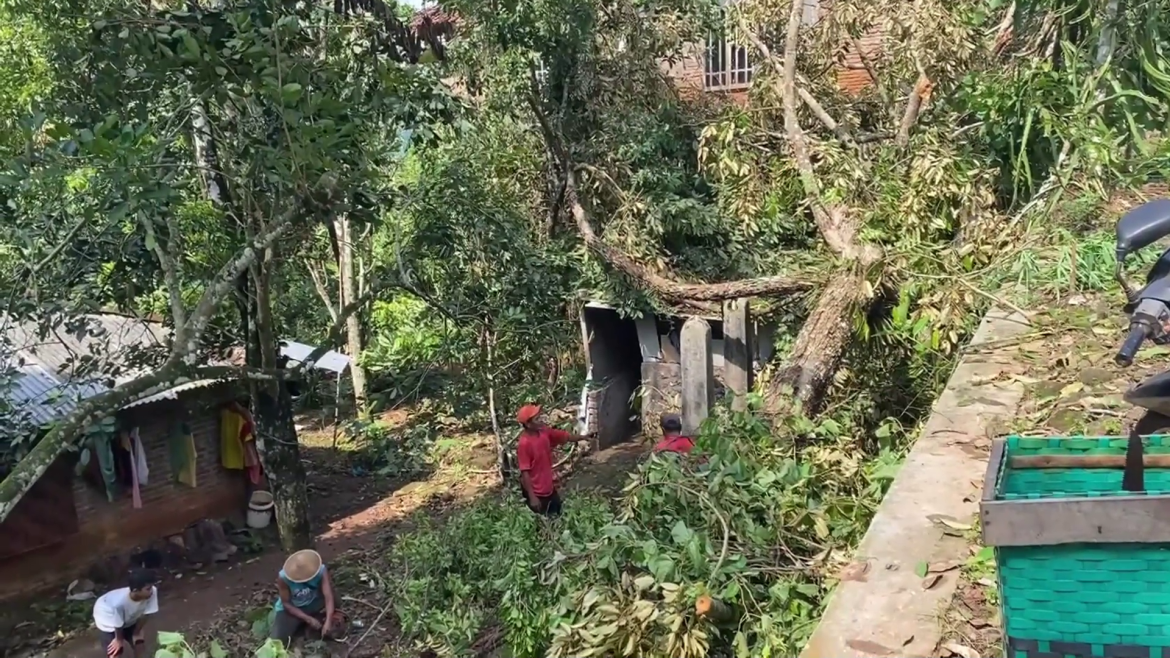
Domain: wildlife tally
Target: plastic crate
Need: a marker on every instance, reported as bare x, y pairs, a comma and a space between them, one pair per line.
1084, 567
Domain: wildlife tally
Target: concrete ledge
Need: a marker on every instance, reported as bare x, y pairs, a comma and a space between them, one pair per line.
890, 613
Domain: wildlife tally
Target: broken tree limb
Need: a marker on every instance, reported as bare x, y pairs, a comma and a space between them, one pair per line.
825, 335
914, 104
665, 288
669, 289
714, 610
820, 345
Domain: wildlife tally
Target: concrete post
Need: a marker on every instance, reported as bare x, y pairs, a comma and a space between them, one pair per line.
738, 348
697, 374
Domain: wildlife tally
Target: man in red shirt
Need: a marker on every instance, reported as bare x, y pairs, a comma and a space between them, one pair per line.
672, 437
534, 452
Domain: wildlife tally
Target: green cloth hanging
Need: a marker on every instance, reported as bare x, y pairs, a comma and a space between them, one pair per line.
99, 444
181, 449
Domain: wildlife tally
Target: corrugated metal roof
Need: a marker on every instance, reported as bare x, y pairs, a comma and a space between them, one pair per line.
37, 394
104, 345
54, 373
331, 361
173, 393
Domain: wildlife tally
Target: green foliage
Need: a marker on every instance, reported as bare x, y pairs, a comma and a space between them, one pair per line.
174, 645
388, 452
748, 518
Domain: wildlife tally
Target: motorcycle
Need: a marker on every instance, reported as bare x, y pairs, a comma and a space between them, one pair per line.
1148, 308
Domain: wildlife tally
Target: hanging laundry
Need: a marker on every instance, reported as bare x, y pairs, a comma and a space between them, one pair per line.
181, 445
101, 446
252, 461
142, 471
135, 493
233, 427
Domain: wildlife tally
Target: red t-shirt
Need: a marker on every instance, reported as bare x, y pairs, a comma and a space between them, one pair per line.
675, 443
534, 452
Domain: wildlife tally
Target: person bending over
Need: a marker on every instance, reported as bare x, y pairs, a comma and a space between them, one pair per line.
673, 439
120, 614
306, 599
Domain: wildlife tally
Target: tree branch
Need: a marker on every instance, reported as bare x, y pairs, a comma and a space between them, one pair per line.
869, 69
226, 280
913, 108
667, 289
170, 277
318, 278
807, 98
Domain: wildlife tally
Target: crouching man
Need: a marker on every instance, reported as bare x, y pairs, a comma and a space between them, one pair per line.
120, 615
306, 600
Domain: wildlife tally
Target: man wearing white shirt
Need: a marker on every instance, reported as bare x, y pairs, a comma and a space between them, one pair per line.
120, 614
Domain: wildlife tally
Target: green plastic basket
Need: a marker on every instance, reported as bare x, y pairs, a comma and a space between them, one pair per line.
1084, 567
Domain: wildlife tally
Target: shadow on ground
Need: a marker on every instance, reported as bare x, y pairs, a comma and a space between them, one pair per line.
356, 518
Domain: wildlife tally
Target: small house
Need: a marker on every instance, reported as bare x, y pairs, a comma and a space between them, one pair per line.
633, 371
73, 517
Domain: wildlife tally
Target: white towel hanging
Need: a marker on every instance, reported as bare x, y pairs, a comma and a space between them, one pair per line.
139, 458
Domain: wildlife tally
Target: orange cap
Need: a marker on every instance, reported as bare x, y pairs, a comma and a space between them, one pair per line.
527, 413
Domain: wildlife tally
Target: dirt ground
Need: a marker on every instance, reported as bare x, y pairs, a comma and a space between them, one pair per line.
1072, 386
356, 514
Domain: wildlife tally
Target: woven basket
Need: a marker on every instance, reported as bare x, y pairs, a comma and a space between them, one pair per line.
1084, 567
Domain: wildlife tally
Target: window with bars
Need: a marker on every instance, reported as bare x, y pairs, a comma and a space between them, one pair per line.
728, 65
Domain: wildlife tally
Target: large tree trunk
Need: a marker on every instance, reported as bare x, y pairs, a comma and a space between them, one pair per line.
272, 406
816, 355
281, 456
353, 323
276, 430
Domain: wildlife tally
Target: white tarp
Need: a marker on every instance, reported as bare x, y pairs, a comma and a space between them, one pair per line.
331, 361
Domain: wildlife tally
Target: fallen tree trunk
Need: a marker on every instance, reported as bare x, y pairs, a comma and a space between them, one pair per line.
816, 354
668, 289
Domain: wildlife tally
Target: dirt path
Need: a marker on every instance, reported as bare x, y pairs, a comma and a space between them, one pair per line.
357, 514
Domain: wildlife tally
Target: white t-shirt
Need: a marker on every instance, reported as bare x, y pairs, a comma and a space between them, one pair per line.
115, 609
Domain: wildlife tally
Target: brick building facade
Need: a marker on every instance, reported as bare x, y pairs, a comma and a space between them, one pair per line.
66, 523
721, 66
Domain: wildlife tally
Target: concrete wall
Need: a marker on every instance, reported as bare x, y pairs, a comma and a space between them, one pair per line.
108, 528
889, 612
614, 360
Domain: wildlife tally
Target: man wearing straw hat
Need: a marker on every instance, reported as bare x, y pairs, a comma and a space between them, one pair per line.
306, 598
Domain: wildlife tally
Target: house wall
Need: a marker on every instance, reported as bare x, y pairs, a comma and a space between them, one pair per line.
612, 350
851, 75
108, 528
687, 71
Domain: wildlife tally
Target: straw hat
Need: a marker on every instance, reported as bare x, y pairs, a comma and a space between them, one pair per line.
302, 566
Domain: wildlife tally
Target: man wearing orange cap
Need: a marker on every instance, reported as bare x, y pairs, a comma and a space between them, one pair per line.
534, 452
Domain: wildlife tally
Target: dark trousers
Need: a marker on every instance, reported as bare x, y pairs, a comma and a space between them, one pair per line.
285, 626
127, 635
547, 505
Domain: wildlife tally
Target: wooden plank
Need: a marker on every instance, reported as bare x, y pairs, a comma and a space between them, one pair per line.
1044, 522
991, 477
1084, 461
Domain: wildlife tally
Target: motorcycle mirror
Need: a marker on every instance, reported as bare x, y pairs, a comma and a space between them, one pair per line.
1142, 226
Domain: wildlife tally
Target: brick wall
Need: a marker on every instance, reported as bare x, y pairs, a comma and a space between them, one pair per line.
687, 71
108, 528
851, 75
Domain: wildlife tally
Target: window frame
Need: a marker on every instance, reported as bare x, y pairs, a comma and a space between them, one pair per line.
737, 69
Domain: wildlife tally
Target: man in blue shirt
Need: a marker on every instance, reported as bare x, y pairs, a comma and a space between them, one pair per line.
306, 599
